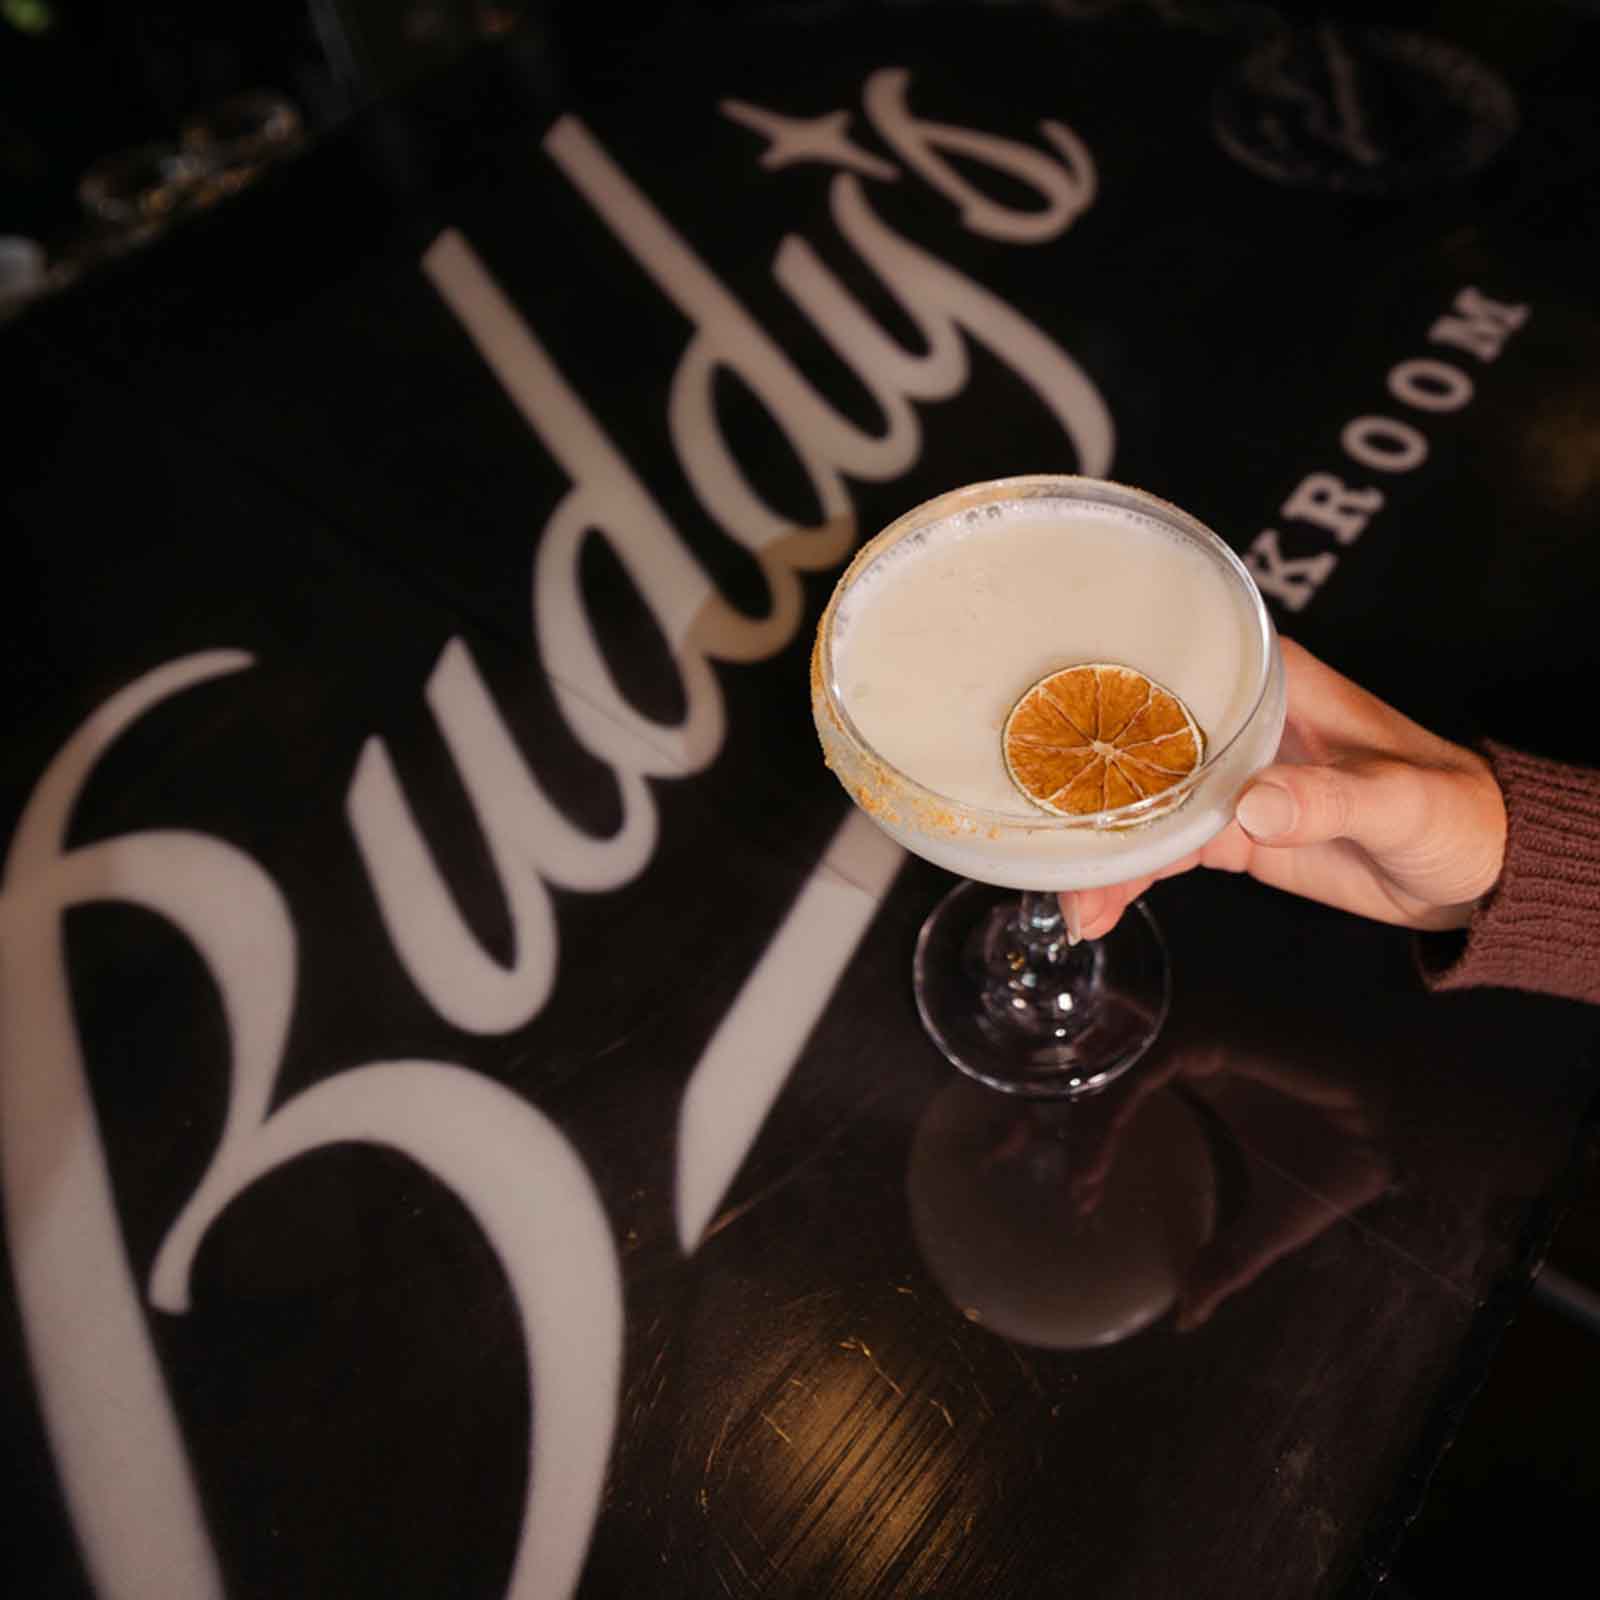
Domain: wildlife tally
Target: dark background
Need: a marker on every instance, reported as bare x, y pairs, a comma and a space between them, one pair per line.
81, 78
78, 80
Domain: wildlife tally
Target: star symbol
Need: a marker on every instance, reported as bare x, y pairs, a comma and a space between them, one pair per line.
794, 139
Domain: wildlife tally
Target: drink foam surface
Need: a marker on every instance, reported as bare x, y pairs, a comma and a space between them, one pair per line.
938, 637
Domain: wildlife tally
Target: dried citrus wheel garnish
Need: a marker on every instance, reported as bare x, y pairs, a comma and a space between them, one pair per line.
1096, 737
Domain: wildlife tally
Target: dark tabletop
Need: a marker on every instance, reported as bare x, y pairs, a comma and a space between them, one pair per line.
466, 1127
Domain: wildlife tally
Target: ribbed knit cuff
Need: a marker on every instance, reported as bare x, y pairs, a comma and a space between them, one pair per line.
1539, 927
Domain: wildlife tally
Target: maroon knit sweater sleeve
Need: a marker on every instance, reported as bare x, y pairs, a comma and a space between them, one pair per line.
1539, 927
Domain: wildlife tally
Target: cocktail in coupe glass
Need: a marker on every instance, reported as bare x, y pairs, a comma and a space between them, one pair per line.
940, 625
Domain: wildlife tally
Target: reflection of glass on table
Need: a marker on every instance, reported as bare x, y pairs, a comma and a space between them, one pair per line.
1000, 1224
1067, 1226
936, 629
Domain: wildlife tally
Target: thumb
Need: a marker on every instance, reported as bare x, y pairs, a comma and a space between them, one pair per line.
1377, 803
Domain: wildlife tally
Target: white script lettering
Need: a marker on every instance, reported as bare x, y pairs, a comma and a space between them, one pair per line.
510, 1167
99, 1381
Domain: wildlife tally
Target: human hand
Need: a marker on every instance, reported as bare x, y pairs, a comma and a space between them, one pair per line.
1373, 815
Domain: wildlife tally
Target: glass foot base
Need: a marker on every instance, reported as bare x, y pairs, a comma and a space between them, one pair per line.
1011, 1004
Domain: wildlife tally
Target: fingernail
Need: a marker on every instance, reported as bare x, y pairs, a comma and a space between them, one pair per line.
1074, 916
1265, 811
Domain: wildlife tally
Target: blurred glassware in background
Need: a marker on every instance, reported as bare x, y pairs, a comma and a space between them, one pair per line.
136, 192
132, 195
103, 140
22, 271
243, 132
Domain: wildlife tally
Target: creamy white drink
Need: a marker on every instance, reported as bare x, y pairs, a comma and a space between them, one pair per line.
951, 614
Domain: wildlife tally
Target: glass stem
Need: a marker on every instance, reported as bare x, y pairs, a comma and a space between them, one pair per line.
1043, 928
1034, 981
1040, 913
1041, 932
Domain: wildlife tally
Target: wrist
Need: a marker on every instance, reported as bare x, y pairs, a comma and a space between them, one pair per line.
1489, 810
1538, 924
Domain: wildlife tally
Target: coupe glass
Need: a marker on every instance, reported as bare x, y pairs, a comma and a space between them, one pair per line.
1002, 990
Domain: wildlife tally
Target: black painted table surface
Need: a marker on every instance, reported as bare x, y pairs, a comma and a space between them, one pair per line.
466, 1128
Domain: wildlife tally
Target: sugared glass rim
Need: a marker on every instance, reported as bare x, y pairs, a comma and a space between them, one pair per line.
1044, 485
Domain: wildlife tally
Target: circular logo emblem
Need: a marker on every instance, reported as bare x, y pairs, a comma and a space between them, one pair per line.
1362, 110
